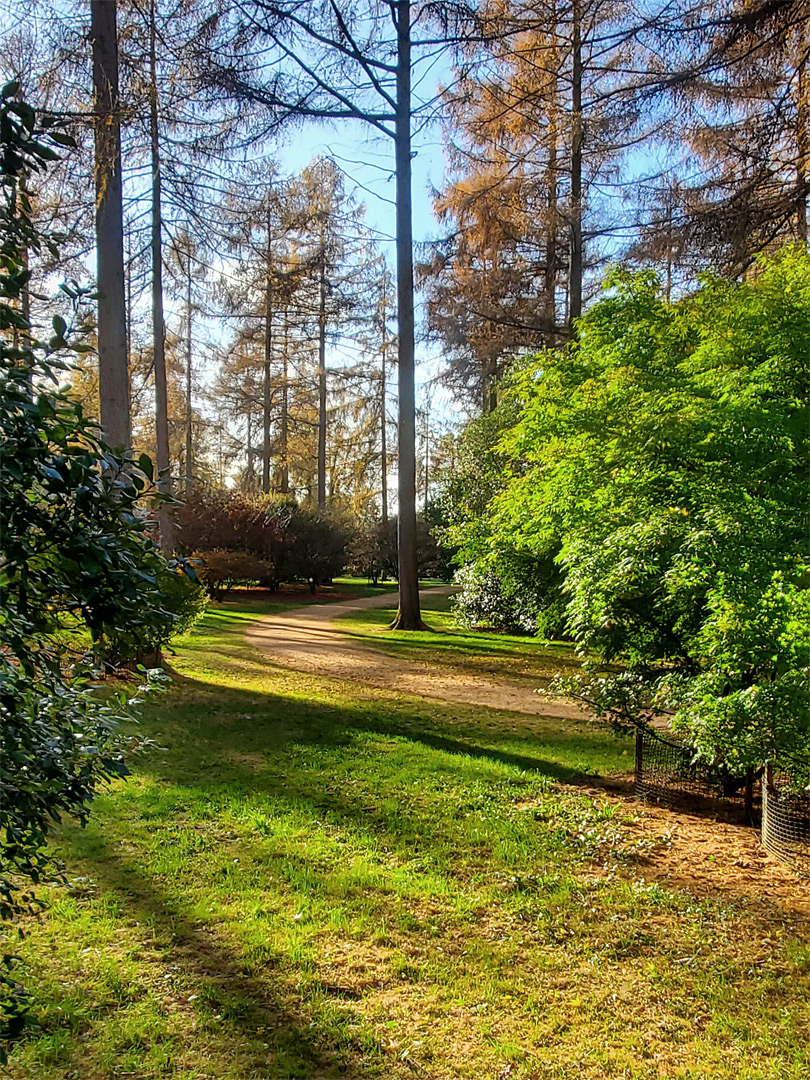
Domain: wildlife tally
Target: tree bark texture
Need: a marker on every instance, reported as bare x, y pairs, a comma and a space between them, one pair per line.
802, 146
552, 220
285, 411
162, 462
490, 386
409, 615
322, 379
267, 402
189, 351
383, 433
113, 374
575, 280
426, 466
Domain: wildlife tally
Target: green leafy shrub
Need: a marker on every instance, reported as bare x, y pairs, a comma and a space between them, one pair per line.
73, 551
663, 458
489, 599
182, 602
502, 585
434, 551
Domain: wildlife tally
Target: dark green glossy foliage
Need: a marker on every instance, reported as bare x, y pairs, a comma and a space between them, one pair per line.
76, 563
179, 602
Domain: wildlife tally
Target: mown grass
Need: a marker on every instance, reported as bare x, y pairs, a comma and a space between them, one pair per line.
310, 880
518, 657
249, 602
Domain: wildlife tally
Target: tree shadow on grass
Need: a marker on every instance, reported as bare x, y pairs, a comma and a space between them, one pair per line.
458, 641
210, 731
243, 744
263, 721
276, 722
246, 744
252, 742
266, 1016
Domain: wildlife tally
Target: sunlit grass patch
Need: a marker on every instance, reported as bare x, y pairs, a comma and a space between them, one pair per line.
515, 656
311, 879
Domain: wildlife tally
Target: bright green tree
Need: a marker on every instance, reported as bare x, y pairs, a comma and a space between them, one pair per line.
665, 457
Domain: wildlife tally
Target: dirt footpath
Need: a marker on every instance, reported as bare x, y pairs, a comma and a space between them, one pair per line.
309, 639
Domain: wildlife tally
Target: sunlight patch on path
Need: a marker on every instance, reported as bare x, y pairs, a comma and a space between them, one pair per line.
310, 639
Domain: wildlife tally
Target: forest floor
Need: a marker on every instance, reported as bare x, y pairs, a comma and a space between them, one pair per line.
314, 877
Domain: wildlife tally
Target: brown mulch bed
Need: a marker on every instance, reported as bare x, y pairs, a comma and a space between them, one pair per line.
707, 857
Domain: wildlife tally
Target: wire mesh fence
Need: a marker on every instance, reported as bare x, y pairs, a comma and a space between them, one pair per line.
667, 774
785, 821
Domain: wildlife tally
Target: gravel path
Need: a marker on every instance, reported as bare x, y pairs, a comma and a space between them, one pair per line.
310, 639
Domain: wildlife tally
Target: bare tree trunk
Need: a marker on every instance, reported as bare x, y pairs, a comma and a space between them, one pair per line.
383, 433
164, 481
268, 358
250, 463
427, 452
113, 374
25, 293
189, 350
490, 402
552, 221
409, 614
128, 283
285, 406
802, 146
322, 379
669, 252
25, 298
575, 280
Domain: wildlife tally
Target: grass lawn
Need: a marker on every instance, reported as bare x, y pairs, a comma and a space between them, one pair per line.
517, 657
309, 879
258, 601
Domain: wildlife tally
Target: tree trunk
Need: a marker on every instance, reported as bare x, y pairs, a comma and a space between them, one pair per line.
285, 407
427, 453
25, 292
128, 303
189, 429
250, 463
113, 374
550, 277
668, 285
25, 298
268, 358
490, 402
322, 379
575, 278
383, 433
409, 615
164, 481
802, 146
